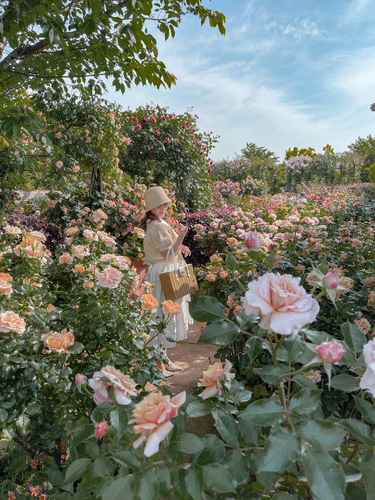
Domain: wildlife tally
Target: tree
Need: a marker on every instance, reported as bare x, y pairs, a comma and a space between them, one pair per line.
366, 149
51, 42
289, 153
166, 147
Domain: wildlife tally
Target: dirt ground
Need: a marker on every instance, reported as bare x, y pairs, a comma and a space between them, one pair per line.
194, 360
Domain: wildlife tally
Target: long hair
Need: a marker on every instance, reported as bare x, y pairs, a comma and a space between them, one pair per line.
143, 222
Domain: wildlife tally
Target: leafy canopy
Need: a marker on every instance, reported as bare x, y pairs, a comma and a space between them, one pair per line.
45, 42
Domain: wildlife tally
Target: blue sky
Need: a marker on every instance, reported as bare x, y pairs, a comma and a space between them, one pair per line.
287, 73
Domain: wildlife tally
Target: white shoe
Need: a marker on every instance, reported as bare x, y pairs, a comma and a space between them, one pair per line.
172, 367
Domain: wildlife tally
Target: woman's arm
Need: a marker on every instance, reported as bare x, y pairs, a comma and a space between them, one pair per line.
181, 231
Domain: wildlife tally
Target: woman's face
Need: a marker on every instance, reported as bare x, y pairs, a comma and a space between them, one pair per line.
160, 211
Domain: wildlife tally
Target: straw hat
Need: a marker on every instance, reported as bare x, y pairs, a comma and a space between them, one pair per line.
154, 197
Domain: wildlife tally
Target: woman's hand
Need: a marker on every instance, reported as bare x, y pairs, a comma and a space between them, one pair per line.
185, 251
182, 230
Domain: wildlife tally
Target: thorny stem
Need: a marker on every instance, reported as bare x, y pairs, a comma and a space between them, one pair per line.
273, 349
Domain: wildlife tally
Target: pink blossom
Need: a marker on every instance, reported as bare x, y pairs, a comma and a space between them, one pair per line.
80, 379
59, 164
331, 280
101, 429
330, 352
283, 305
368, 380
120, 387
253, 241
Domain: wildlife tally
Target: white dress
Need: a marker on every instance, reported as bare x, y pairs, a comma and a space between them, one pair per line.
179, 323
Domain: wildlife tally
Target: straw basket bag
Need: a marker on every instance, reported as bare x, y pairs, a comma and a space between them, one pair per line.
179, 281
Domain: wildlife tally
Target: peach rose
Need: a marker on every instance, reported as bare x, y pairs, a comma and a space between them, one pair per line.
152, 417
51, 308
12, 230
283, 305
109, 278
65, 258
36, 251
149, 302
120, 387
88, 284
6, 277
68, 338
170, 307
213, 377
5, 287
368, 380
71, 230
80, 251
55, 342
11, 322
38, 235
79, 268
106, 239
90, 235
99, 215
121, 262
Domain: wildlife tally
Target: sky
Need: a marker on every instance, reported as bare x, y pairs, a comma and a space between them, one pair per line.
287, 73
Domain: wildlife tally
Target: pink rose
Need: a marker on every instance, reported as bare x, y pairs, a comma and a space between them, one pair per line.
212, 378
101, 429
368, 380
80, 379
152, 416
121, 386
109, 278
11, 322
331, 280
283, 305
59, 164
330, 352
253, 241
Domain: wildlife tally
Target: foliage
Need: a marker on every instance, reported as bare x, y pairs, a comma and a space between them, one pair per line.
48, 44
168, 148
66, 318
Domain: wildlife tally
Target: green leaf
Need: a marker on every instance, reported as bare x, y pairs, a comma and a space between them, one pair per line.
264, 412
189, 443
23, 423
324, 476
77, 470
249, 433
119, 420
284, 496
354, 338
126, 458
305, 401
82, 434
206, 309
231, 261
253, 347
194, 482
282, 449
246, 321
217, 478
219, 333
146, 485
367, 467
344, 382
238, 465
119, 489
198, 408
227, 428
270, 374
359, 430
322, 435
365, 408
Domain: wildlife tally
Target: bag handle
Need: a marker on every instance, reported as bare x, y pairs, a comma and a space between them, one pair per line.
175, 267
